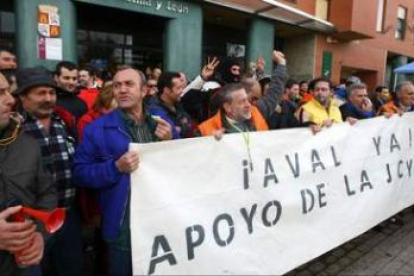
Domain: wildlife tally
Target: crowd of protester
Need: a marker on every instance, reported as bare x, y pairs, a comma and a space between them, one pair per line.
64, 139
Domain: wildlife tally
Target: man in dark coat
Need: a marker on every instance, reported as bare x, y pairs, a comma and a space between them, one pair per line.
22, 180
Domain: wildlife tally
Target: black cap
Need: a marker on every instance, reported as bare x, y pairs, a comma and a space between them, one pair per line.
32, 77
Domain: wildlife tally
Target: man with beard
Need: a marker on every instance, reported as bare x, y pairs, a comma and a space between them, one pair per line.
37, 94
321, 111
237, 114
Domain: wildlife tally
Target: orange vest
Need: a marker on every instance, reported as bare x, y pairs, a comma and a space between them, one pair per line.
389, 108
216, 122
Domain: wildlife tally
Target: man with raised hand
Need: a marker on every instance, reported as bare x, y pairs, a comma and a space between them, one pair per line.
237, 114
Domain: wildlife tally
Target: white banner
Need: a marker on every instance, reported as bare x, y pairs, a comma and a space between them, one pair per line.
198, 208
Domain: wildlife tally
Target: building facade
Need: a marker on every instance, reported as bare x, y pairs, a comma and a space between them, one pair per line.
335, 38
373, 38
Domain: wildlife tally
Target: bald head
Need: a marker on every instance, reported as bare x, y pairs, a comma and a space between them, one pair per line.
128, 88
405, 93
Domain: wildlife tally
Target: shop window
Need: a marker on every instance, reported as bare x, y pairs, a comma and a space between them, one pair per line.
137, 40
400, 25
7, 26
7, 22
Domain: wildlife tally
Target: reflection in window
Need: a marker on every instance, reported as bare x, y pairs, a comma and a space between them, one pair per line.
7, 22
401, 22
7, 27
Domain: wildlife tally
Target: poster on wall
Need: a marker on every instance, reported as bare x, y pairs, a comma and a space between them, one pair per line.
49, 48
49, 30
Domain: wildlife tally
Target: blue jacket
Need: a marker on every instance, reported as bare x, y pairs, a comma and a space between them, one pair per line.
104, 141
182, 125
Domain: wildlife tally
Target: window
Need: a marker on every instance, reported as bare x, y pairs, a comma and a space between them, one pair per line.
381, 15
7, 27
322, 9
401, 23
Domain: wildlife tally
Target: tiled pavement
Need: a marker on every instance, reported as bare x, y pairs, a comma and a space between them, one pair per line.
385, 251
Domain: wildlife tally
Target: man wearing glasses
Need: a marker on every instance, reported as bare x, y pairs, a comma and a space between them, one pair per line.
321, 111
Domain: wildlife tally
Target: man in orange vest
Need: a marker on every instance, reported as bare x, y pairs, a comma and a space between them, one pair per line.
402, 102
237, 114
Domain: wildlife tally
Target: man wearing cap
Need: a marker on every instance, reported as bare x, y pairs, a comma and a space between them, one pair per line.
37, 94
23, 181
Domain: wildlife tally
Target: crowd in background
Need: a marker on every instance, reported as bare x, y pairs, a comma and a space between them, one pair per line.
64, 139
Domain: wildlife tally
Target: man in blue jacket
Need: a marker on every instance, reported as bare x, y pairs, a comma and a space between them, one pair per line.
358, 105
103, 162
167, 105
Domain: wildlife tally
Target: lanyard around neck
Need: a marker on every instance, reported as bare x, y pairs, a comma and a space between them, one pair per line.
246, 138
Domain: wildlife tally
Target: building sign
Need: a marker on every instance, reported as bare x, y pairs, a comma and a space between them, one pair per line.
178, 7
327, 64
48, 26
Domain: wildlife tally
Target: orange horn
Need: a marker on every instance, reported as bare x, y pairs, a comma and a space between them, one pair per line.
52, 220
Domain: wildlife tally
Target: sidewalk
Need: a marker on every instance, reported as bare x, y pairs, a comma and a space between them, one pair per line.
388, 251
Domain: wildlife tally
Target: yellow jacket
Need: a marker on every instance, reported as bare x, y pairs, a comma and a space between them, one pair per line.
318, 113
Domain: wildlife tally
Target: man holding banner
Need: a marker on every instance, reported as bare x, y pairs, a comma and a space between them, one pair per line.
104, 162
322, 110
237, 114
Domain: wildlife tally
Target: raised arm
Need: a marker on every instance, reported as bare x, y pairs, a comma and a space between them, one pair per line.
273, 95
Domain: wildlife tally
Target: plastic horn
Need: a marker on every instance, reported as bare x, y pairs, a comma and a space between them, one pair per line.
51, 220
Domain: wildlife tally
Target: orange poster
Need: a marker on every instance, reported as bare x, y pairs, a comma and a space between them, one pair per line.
54, 31
43, 18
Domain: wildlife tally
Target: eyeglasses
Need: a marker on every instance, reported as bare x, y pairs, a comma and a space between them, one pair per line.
151, 85
321, 89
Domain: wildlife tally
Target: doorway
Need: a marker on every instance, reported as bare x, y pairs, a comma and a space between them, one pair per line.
108, 37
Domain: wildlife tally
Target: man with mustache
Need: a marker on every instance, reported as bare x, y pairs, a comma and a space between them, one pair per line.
37, 94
